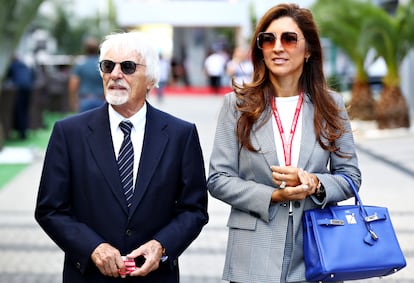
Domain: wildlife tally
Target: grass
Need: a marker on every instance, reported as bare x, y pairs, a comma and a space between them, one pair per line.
9, 171
37, 139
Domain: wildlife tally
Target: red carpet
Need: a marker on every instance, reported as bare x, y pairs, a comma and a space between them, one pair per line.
184, 90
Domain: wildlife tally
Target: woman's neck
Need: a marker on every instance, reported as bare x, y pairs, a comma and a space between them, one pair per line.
286, 88
286, 92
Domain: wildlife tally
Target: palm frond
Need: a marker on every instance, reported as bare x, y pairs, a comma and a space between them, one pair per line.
341, 21
392, 38
405, 19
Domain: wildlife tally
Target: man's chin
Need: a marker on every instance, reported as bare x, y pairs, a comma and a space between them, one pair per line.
116, 99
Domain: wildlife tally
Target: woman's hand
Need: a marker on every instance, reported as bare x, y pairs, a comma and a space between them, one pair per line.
294, 183
288, 174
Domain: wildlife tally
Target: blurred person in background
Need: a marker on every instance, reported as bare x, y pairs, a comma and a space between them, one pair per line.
165, 68
214, 66
123, 179
22, 77
240, 67
280, 141
85, 83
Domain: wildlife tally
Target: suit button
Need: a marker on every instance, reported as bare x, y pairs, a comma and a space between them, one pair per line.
296, 204
128, 232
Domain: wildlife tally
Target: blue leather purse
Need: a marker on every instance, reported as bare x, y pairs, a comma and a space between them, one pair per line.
350, 242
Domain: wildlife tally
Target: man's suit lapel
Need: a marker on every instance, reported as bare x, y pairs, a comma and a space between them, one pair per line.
155, 141
101, 146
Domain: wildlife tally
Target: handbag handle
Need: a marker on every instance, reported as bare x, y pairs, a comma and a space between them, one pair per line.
371, 238
358, 200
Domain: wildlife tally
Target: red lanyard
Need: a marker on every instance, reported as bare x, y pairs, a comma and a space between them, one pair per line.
287, 144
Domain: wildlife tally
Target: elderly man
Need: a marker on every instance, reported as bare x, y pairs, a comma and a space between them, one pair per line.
124, 181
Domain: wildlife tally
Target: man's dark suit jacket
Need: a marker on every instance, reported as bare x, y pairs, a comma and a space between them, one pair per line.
81, 203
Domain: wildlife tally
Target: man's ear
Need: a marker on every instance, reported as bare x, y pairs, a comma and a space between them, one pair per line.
150, 85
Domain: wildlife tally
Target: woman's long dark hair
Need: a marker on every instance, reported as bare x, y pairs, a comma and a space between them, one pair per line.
254, 97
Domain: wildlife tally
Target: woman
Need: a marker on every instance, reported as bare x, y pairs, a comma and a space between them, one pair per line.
279, 142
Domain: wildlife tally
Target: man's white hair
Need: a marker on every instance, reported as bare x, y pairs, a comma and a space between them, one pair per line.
135, 43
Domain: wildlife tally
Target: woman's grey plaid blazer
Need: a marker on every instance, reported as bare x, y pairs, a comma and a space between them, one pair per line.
241, 178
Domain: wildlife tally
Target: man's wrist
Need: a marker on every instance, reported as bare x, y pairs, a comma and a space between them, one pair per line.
164, 255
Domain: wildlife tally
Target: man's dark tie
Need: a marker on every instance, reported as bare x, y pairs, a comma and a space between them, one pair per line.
126, 161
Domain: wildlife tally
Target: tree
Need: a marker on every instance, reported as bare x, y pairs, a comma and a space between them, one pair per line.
70, 31
341, 21
15, 17
392, 38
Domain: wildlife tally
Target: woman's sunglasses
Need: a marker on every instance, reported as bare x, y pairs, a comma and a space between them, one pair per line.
127, 67
267, 40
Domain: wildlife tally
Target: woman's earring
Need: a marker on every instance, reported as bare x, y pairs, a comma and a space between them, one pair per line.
306, 59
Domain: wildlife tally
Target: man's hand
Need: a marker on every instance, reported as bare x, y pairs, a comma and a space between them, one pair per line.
152, 252
108, 260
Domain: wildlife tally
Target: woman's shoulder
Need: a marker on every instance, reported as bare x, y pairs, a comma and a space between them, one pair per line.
335, 95
230, 95
230, 98
229, 105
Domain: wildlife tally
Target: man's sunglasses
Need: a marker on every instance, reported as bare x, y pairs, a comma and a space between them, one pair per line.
267, 40
127, 67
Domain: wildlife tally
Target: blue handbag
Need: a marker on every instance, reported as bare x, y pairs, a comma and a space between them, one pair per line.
350, 242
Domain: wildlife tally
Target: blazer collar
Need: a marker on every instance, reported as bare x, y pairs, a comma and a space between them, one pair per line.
153, 147
308, 142
101, 146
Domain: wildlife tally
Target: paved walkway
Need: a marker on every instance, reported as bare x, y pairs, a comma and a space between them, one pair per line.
27, 255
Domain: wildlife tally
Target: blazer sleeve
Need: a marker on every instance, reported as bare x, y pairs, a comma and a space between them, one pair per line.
190, 209
224, 180
53, 208
337, 189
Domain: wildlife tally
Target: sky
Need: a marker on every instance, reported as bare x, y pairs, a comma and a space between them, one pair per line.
88, 8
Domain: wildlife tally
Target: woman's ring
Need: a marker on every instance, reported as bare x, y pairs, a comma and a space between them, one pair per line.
282, 185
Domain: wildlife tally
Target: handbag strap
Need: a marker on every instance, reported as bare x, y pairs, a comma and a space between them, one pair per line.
358, 200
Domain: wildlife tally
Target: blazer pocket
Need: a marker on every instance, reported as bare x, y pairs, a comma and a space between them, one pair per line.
241, 220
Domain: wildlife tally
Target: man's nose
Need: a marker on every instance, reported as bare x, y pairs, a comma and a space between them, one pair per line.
117, 72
